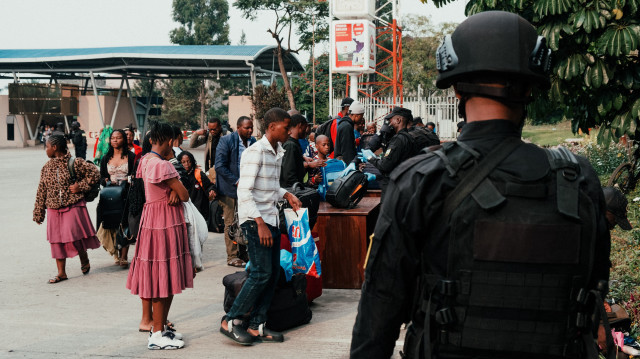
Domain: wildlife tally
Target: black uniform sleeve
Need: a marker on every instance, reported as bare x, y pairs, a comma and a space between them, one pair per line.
395, 154
346, 143
393, 266
104, 172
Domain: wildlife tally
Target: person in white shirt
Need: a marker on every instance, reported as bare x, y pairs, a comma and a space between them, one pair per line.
258, 192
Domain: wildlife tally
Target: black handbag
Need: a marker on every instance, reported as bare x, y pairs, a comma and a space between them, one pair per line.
112, 205
310, 200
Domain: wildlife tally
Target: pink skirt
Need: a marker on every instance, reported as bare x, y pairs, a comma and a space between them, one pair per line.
161, 266
69, 230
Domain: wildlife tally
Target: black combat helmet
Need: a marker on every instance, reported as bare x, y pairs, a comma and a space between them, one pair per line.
493, 42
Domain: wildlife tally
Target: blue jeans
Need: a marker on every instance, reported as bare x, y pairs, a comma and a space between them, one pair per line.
257, 291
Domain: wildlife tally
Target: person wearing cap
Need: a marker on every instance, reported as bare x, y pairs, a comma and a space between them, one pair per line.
346, 141
481, 246
431, 126
79, 140
399, 149
417, 122
616, 208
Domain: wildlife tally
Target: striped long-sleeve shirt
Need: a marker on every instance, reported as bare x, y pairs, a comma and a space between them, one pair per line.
259, 185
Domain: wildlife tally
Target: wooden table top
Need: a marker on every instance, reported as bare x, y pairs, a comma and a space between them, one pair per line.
366, 205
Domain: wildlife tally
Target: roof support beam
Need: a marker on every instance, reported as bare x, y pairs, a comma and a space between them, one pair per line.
133, 108
115, 110
146, 113
95, 94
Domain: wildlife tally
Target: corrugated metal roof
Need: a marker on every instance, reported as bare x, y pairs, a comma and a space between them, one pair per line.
185, 61
208, 51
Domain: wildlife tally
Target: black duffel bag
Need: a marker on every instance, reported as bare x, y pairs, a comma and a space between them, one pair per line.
310, 200
347, 191
112, 205
289, 306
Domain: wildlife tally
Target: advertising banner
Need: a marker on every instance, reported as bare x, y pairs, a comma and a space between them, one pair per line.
353, 46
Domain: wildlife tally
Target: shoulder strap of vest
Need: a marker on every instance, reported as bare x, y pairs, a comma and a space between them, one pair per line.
198, 174
567, 169
473, 178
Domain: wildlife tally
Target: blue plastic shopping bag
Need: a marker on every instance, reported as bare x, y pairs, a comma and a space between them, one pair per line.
305, 253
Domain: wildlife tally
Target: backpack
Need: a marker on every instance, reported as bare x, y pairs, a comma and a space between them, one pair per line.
325, 129
215, 222
93, 192
519, 263
420, 138
347, 191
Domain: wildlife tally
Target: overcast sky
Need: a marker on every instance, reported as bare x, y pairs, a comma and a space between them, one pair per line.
40, 24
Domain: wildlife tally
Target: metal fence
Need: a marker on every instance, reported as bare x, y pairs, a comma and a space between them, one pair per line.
441, 110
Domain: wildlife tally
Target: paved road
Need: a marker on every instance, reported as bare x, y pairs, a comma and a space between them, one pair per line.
95, 316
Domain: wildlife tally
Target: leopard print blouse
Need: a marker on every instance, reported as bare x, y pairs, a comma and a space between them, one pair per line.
55, 179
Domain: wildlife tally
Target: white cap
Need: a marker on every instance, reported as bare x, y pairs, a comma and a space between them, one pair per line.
356, 108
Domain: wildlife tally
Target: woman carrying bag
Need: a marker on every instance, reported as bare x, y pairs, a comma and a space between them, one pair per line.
115, 168
200, 188
69, 228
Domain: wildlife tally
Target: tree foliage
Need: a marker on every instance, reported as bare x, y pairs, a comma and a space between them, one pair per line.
303, 88
596, 73
292, 17
202, 22
267, 97
420, 39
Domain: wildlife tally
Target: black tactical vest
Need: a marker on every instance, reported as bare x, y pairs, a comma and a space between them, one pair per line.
520, 257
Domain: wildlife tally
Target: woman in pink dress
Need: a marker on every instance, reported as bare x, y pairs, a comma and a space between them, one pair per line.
161, 266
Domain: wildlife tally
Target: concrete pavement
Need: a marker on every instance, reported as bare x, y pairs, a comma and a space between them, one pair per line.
95, 315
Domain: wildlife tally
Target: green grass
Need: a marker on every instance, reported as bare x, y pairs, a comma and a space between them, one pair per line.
549, 135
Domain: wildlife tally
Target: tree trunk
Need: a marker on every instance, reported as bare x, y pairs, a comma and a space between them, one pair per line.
203, 119
285, 78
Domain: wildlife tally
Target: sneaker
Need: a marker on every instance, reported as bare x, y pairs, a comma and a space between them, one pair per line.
172, 333
159, 341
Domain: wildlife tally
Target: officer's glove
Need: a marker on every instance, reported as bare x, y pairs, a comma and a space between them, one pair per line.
367, 155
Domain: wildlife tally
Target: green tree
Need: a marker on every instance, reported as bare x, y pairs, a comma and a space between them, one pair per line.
290, 14
420, 39
265, 98
595, 74
202, 22
303, 87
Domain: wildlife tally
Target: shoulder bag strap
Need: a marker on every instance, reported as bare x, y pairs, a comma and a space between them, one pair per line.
72, 171
473, 178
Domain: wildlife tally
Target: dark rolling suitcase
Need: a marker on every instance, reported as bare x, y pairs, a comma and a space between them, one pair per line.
289, 307
310, 199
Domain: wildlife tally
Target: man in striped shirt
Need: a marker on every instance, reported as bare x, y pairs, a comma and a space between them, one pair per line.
258, 192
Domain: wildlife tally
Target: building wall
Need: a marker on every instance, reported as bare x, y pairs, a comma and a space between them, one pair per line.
240, 106
88, 116
20, 136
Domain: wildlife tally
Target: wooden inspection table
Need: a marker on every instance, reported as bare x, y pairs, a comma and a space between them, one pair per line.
344, 239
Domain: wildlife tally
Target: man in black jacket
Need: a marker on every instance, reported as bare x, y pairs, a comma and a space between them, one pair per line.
399, 149
346, 139
293, 163
471, 190
79, 140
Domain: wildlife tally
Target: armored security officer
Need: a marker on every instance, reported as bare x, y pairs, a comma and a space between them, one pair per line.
488, 247
399, 148
79, 140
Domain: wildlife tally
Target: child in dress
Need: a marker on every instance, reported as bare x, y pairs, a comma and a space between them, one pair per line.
69, 228
161, 266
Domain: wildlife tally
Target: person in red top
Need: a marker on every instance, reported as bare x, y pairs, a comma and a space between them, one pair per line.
137, 150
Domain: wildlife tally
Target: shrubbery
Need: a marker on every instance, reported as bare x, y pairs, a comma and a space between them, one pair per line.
625, 245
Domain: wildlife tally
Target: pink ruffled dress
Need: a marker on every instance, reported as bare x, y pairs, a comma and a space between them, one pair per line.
161, 266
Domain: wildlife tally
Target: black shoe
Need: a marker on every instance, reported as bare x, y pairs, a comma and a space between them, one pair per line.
236, 333
268, 335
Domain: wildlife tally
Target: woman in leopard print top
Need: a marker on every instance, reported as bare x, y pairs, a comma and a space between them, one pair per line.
69, 228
